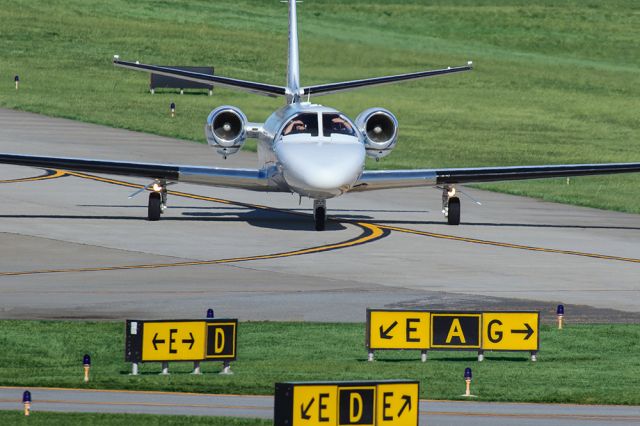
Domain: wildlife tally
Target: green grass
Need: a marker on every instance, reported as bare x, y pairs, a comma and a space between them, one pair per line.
555, 82
580, 364
46, 419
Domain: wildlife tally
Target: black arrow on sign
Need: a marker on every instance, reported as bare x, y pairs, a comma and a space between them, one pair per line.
192, 340
155, 341
407, 403
304, 412
528, 331
384, 334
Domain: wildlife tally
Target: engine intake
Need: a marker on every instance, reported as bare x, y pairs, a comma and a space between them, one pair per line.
225, 130
380, 130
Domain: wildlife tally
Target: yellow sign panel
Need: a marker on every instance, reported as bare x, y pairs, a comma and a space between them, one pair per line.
510, 331
398, 330
173, 341
315, 405
397, 404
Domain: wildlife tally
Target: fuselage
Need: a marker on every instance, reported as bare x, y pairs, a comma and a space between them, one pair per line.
315, 151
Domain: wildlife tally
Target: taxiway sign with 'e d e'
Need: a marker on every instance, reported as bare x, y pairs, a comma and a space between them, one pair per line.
369, 403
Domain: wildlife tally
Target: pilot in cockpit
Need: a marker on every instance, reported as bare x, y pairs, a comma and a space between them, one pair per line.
294, 127
339, 125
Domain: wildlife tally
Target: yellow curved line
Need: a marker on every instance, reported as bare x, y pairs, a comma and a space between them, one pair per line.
55, 175
372, 233
508, 245
378, 232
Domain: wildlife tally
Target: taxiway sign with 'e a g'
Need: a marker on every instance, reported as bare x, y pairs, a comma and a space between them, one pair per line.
394, 329
511, 331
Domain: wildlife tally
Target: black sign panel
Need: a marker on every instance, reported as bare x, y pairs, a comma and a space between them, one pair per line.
221, 340
356, 405
162, 81
455, 331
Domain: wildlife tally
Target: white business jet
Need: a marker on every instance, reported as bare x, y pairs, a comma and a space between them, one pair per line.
305, 148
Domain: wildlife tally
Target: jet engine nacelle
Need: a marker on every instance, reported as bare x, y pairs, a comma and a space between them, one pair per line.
226, 130
380, 130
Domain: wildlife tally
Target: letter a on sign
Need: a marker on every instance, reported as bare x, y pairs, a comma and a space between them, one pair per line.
456, 331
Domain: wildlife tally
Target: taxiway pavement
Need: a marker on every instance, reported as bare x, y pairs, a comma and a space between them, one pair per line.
76, 247
434, 413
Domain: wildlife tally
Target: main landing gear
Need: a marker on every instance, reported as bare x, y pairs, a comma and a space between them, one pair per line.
451, 205
157, 200
320, 214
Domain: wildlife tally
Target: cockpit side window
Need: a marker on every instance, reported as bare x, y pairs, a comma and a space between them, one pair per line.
335, 123
302, 123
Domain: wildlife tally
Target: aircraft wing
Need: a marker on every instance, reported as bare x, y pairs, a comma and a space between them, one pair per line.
326, 89
251, 179
244, 85
385, 179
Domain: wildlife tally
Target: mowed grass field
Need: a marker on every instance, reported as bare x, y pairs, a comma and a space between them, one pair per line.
580, 364
38, 418
555, 82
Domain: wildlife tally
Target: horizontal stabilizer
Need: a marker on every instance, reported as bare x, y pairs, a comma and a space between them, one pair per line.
326, 89
232, 83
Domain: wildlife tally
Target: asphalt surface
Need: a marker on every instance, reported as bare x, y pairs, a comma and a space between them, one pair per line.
74, 246
434, 413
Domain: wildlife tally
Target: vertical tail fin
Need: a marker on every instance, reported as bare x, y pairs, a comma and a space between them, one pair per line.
293, 66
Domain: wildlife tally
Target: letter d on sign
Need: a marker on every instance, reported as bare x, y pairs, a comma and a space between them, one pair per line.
355, 404
219, 341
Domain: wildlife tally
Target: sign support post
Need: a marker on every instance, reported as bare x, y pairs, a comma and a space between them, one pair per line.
226, 368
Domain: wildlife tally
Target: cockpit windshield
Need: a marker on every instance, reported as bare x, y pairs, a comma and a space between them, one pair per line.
336, 124
303, 123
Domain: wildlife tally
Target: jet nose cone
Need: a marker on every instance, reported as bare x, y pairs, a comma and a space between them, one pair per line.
321, 170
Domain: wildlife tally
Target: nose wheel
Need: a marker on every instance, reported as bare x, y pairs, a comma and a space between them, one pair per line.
320, 214
157, 201
451, 205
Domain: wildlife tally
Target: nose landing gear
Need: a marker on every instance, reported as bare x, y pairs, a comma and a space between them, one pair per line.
320, 214
157, 200
451, 205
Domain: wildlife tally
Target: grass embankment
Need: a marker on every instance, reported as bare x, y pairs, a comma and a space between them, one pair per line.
556, 82
580, 364
46, 419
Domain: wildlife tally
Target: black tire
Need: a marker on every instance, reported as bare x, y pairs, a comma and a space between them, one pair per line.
454, 211
321, 218
154, 206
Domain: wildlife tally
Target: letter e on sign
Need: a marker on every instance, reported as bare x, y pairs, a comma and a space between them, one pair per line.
397, 404
390, 329
315, 405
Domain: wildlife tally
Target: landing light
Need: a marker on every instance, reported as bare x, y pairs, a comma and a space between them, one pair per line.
451, 192
156, 187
